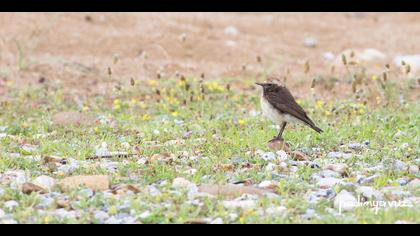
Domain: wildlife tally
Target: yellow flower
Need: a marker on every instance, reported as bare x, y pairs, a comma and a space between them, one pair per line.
96, 130
152, 83
242, 220
181, 83
241, 122
85, 108
251, 212
117, 107
361, 111
319, 104
299, 101
175, 114
374, 77
46, 220
327, 113
146, 117
117, 101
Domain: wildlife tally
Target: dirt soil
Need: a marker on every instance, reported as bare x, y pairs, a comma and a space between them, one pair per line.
78, 48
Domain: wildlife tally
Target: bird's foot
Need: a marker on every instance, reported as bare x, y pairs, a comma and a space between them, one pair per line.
276, 139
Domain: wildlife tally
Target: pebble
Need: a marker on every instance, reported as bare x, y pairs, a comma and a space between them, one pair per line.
17, 178
29, 148
231, 30
320, 194
356, 146
268, 156
217, 221
395, 193
414, 184
11, 205
45, 203
310, 42
345, 201
339, 168
329, 182
45, 182
370, 179
244, 204
402, 181
279, 211
309, 214
181, 183
329, 56
85, 193
113, 221
266, 184
271, 167
399, 166
64, 214
339, 155
100, 216
369, 193
145, 215
111, 167
102, 151
414, 170
8, 222
282, 155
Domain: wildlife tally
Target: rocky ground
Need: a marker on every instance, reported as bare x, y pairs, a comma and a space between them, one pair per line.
154, 118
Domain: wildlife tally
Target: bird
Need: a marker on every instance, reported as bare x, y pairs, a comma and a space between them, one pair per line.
279, 106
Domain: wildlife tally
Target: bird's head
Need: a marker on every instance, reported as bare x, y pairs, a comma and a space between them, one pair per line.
268, 87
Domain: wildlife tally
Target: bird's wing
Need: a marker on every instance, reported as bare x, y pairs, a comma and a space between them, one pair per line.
285, 103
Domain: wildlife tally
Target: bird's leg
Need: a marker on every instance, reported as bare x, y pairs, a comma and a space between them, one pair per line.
280, 135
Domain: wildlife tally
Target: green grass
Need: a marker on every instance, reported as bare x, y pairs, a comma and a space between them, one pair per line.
224, 120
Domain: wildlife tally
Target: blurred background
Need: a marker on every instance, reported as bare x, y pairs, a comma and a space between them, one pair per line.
80, 49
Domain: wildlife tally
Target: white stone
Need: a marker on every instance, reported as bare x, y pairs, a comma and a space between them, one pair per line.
271, 167
369, 193
268, 156
414, 184
340, 155
277, 211
399, 166
282, 155
345, 201
329, 56
329, 182
413, 169
181, 183
266, 184
310, 42
145, 215
102, 151
231, 30
244, 204
11, 205
339, 168
217, 221
412, 60
45, 182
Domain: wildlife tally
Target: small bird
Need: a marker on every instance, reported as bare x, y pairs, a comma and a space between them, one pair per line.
279, 105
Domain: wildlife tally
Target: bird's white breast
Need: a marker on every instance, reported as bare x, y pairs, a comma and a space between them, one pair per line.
274, 115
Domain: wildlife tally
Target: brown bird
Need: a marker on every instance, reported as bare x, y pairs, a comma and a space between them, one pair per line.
279, 105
